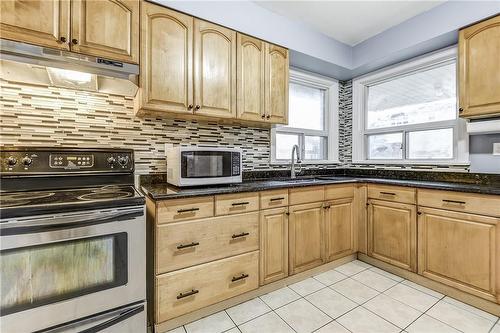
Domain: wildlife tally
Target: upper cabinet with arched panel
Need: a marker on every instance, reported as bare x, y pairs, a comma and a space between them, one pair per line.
479, 69
102, 28
106, 28
276, 86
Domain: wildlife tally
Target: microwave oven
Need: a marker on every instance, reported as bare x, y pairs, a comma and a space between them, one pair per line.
197, 166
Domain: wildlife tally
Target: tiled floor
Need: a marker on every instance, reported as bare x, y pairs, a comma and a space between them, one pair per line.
355, 297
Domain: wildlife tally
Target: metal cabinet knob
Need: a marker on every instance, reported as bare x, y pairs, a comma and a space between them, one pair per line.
461, 110
263, 116
74, 41
268, 117
190, 106
198, 107
62, 39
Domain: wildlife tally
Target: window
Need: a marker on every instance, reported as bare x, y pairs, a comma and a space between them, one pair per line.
407, 114
312, 121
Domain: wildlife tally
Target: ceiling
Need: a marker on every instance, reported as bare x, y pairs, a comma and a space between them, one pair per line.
350, 22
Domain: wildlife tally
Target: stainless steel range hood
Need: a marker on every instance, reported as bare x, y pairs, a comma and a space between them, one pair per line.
32, 64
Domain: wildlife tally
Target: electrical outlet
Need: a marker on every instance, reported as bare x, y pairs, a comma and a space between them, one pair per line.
496, 148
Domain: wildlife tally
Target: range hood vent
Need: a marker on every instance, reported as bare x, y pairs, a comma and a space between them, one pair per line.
20, 62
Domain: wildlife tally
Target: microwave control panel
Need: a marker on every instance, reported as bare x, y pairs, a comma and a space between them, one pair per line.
236, 164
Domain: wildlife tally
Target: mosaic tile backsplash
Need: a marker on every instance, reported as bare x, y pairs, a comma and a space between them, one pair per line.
48, 116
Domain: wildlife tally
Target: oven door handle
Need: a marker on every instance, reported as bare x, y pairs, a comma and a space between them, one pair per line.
113, 321
16, 227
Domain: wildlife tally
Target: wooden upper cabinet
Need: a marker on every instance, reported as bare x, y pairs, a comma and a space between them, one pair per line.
460, 250
392, 233
251, 69
340, 231
38, 22
273, 244
479, 68
276, 84
106, 28
214, 70
166, 78
306, 225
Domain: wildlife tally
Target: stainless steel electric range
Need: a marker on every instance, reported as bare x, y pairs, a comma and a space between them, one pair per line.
72, 241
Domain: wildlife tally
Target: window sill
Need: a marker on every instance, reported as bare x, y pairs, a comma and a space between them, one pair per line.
287, 162
413, 162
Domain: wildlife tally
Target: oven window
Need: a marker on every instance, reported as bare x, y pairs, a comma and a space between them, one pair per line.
205, 164
43, 274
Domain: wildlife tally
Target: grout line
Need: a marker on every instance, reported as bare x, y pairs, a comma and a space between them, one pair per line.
287, 324
426, 313
227, 314
385, 319
493, 327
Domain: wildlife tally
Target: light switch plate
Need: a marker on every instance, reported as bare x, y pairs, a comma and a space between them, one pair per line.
496, 148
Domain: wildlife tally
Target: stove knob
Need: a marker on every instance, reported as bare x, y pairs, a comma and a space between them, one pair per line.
111, 160
27, 161
11, 161
123, 160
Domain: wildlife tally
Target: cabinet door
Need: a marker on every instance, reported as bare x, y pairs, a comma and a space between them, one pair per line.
273, 245
214, 70
166, 59
251, 59
340, 235
461, 250
479, 65
392, 233
106, 28
276, 84
39, 22
306, 237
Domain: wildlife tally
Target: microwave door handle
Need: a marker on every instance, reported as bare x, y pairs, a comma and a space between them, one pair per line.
123, 315
16, 227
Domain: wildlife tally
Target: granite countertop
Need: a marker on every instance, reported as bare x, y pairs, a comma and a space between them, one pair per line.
160, 191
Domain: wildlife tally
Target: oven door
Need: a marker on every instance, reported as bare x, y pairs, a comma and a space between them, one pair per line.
202, 167
58, 268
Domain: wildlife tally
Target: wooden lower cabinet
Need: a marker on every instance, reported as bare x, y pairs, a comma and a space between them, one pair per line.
190, 289
461, 250
273, 245
392, 233
306, 244
340, 235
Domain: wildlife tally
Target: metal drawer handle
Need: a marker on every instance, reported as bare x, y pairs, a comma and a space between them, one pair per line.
241, 277
243, 234
454, 201
187, 210
277, 199
187, 294
240, 203
327, 207
184, 246
387, 193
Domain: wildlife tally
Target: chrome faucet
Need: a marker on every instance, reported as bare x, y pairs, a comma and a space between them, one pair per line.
295, 150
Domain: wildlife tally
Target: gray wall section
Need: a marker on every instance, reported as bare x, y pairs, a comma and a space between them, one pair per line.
481, 153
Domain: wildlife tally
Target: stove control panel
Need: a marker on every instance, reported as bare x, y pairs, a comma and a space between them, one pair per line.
63, 160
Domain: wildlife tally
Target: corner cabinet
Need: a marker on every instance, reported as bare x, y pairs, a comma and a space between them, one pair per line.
460, 250
479, 68
340, 229
273, 244
102, 28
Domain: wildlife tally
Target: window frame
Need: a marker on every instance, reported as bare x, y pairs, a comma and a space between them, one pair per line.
331, 118
360, 135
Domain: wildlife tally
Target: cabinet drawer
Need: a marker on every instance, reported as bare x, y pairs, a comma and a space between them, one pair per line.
273, 199
236, 203
461, 202
392, 193
184, 244
333, 192
184, 209
193, 288
306, 195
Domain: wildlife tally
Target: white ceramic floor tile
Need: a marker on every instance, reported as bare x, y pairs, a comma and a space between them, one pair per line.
302, 316
470, 308
307, 286
459, 318
362, 263
426, 324
354, 290
412, 297
387, 274
496, 329
330, 277
178, 330
393, 311
332, 327
374, 280
422, 288
280, 297
216, 323
360, 320
350, 269
245, 311
233, 330
269, 322
331, 302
